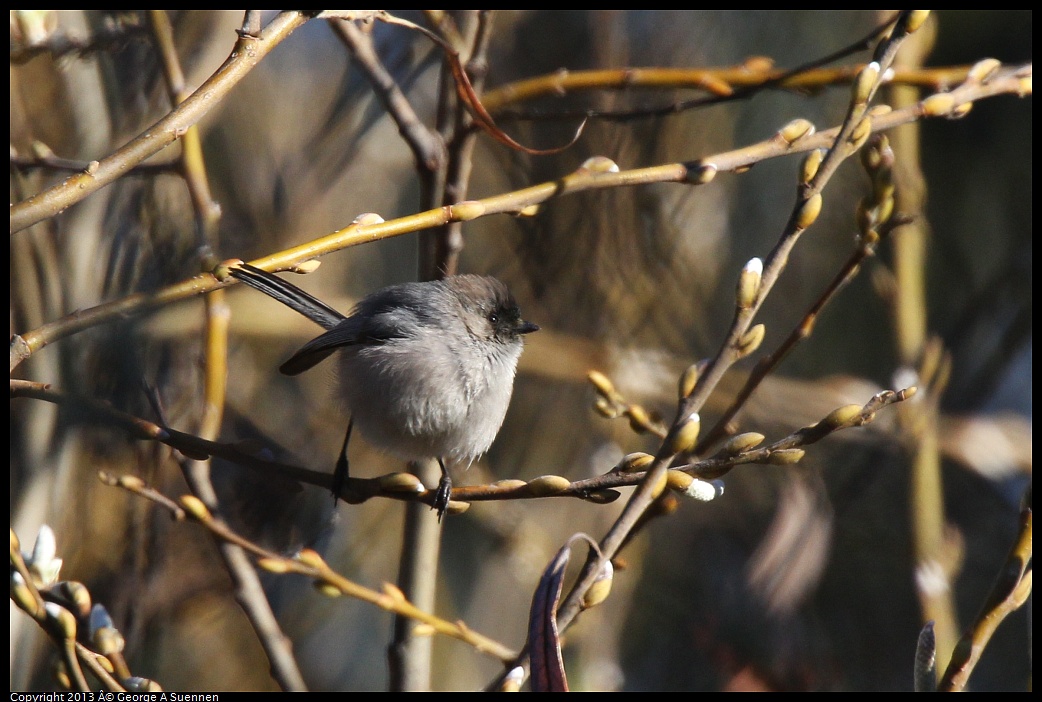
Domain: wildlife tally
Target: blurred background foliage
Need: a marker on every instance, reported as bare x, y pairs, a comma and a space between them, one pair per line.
799, 577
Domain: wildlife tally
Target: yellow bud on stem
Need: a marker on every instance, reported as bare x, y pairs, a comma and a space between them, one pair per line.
809, 211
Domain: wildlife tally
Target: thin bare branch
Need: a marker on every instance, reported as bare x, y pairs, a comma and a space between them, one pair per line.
1012, 81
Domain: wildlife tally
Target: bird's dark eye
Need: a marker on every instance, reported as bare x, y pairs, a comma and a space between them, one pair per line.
493, 318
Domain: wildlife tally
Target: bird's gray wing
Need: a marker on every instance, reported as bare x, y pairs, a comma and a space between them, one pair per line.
375, 321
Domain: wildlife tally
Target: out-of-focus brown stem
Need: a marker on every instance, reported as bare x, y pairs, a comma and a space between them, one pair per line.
919, 420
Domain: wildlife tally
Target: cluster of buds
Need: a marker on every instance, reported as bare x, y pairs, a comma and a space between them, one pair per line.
877, 207
65, 610
611, 404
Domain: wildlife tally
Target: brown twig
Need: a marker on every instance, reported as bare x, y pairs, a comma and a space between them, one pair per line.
404, 486
425, 144
44, 158
187, 444
725, 84
462, 140
803, 329
469, 97
311, 565
1012, 589
722, 84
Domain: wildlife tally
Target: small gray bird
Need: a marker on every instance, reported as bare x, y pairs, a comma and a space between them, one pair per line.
426, 369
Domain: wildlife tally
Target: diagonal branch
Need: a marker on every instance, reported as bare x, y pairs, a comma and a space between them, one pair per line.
246, 54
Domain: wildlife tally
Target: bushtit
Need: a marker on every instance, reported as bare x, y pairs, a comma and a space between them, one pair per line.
426, 369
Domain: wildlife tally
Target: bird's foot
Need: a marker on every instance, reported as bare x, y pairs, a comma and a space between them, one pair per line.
441, 495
